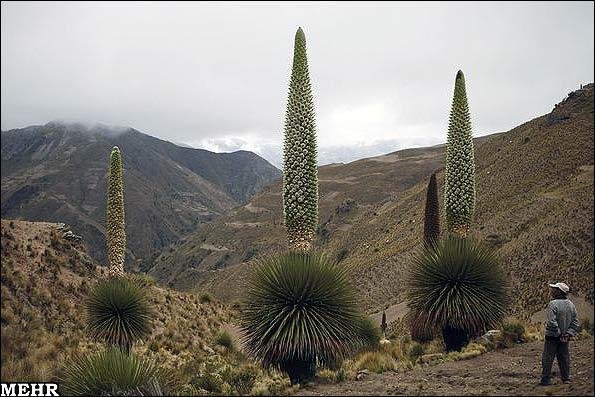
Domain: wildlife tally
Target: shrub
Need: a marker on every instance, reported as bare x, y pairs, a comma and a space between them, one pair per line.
205, 298
377, 362
242, 379
460, 285
143, 280
113, 372
587, 326
513, 332
369, 333
299, 309
118, 312
415, 351
223, 338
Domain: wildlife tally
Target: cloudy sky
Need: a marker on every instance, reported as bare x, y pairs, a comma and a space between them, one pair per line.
215, 75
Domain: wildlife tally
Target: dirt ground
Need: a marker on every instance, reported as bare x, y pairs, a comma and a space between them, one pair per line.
513, 371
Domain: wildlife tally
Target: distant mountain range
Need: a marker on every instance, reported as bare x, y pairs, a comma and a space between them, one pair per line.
534, 204
57, 173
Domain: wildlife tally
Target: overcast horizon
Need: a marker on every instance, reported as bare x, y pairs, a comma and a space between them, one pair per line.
216, 75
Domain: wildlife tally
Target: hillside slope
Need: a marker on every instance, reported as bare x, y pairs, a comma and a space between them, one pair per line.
534, 203
57, 173
44, 280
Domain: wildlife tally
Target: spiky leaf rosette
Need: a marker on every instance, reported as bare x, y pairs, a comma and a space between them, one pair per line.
459, 186
432, 213
459, 284
300, 172
116, 228
420, 328
118, 312
112, 373
299, 308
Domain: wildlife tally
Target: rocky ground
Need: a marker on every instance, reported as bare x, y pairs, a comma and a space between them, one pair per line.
513, 371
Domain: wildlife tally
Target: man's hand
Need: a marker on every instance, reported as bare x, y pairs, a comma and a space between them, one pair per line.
565, 337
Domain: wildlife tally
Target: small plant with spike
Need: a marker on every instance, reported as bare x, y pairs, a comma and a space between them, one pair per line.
432, 213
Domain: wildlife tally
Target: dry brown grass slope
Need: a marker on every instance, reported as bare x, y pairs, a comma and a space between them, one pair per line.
44, 280
534, 203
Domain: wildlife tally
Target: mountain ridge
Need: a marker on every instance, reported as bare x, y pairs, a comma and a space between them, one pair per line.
56, 172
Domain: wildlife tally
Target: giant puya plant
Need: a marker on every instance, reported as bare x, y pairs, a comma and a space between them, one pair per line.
459, 186
456, 285
300, 309
118, 313
300, 172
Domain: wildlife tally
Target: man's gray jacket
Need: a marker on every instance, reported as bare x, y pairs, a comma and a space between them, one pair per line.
561, 318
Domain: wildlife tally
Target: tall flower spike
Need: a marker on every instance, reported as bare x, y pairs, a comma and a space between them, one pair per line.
300, 171
432, 213
459, 187
116, 229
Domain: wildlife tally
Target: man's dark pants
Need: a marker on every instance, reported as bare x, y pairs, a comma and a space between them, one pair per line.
553, 348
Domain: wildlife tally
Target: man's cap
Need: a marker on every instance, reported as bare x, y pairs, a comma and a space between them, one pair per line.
561, 286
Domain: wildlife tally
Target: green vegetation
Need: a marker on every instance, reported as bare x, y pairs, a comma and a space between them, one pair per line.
432, 212
299, 309
223, 338
115, 228
300, 171
113, 372
118, 312
205, 298
369, 333
459, 186
460, 285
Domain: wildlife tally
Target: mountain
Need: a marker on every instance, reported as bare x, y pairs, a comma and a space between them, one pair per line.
57, 172
534, 204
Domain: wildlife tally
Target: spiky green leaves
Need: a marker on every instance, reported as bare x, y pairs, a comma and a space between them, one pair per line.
432, 213
299, 309
458, 283
116, 229
118, 312
459, 187
300, 172
113, 373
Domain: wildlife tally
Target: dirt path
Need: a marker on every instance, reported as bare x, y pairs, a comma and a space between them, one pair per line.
513, 371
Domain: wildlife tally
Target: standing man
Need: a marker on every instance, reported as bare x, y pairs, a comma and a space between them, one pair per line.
561, 325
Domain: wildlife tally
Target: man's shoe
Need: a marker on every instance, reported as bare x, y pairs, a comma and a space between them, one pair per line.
545, 383
565, 381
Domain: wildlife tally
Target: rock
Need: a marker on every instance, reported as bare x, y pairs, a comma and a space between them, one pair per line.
491, 334
210, 351
361, 374
69, 235
384, 341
